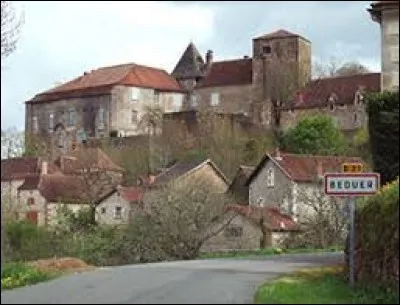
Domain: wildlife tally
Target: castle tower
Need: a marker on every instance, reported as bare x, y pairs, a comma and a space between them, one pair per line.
189, 68
281, 64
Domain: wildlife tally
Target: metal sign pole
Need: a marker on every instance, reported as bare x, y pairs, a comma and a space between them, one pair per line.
352, 235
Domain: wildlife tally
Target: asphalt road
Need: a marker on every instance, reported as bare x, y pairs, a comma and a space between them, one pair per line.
223, 281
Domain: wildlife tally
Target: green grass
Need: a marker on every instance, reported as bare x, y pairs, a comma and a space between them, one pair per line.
263, 252
19, 274
321, 286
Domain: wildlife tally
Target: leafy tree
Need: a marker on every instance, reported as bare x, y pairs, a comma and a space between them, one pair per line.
314, 135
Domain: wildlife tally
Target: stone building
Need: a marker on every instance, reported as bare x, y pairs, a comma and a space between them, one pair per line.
342, 98
244, 85
109, 100
34, 188
286, 181
278, 73
386, 13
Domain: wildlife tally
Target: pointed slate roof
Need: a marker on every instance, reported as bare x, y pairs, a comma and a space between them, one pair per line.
190, 65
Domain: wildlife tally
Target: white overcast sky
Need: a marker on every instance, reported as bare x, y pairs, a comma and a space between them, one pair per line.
61, 40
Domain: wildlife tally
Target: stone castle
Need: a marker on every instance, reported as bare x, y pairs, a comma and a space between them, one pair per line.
117, 100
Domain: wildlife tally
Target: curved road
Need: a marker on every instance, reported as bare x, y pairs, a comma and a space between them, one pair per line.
223, 281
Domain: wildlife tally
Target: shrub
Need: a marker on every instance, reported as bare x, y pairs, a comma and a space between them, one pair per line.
383, 124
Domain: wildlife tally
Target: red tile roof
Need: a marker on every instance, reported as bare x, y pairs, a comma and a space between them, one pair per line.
317, 93
102, 80
229, 73
66, 189
30, 183
281, 33
304, 168
274, 219
132, 193
86, 158
19, 168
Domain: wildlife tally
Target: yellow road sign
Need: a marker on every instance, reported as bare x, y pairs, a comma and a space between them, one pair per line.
352, 168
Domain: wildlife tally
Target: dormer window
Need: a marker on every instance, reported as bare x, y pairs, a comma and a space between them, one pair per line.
266, 49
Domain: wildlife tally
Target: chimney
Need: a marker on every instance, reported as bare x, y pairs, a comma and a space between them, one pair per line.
209, 57
278, 154
44, 167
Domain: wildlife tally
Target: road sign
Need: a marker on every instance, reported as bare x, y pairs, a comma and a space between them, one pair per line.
361, 184
356, 167
351, 185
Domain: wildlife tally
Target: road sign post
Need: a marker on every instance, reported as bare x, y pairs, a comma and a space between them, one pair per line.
351, 185
352, 238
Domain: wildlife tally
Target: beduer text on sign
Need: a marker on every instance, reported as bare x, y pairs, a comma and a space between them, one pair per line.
351, 184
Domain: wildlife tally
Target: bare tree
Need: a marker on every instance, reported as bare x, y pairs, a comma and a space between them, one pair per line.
12, 143
10, 28
336, 67
93, 178
322, 218
183, 215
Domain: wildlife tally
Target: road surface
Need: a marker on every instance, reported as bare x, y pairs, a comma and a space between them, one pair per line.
223, 281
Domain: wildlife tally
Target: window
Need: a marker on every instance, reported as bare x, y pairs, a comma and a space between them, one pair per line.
177, 100
118, 212
214, 99
355, 117
51, 122
71, 117
156, 98
100, 119
266, 49
103, 210
134, 117
31, 201
35, 125
233, 231
135, 94
270, 177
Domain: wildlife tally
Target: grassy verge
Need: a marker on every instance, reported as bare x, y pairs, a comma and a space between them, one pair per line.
262, 252
19, 274
321, 286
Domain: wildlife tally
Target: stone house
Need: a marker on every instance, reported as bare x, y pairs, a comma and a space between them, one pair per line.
342, 98
119, 205
285, 180
36, 188
204, 171
109, 100
246, 230
386, 13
